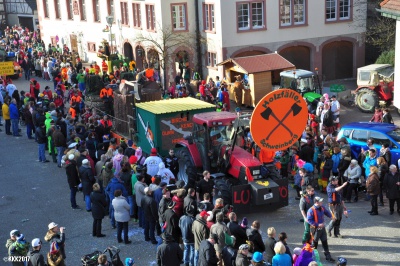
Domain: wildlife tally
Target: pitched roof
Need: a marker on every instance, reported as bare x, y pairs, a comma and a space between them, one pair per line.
393, 5
260, 63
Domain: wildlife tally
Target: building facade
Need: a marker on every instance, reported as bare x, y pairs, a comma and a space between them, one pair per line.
323, 34
20, 12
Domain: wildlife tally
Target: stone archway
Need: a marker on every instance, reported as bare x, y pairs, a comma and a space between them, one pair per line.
153, 59
337, 60
300, 56
182, 62
128, 51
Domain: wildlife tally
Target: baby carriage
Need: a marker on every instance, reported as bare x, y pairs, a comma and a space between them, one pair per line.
112, 256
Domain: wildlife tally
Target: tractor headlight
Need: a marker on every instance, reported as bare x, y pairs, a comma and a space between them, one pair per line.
256, 172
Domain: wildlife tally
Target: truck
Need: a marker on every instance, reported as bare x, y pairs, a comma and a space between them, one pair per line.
304, 82
204, 139
375, 87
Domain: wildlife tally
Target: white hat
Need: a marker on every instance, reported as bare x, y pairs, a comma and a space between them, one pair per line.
36, 242
72, 145
210, 216
14, 232
85, 161
354, 161
71, 156
52, 225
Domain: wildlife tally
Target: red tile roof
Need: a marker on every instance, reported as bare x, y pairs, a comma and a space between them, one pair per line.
393, 5
260, 63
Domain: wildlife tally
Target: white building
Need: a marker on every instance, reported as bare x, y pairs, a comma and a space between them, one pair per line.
323, 34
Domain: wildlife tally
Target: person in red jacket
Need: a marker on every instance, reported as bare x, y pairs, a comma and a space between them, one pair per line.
48, 92
202, 89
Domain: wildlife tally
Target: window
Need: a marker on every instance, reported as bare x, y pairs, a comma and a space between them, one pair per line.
150, 17
337, 10
360, 135
250, 15
124, 13
46, 8
69, 10
379, 138
110, 7
208, 17
57, 9
211, 59
137, 23
91, 47
292, 12
96, 10
178, 17
83, 9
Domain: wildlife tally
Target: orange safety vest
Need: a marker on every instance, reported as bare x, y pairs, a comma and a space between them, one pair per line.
104, 66
76, 99
103, 92
266, 156
97, 69
110, 92
72, 112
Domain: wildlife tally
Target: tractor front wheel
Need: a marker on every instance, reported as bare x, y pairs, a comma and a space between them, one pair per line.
367, 100
187, 169
223, 190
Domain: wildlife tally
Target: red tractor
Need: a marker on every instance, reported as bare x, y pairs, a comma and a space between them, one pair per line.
237, 173
375, 84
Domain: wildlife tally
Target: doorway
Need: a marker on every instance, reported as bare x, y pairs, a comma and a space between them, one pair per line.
128, 51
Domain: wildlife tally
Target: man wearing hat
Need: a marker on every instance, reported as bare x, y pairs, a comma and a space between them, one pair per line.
315, 217
152, 163
353, 174
306, 202
169, 253
185, 224
71, 170
35, 258
200, 232
242, 256
149, 207
17, 246
171, 225
336, 205
87, 179
207, 254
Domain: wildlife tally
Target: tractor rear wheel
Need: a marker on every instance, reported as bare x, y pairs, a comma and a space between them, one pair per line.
223, 190
186, 165
367, 100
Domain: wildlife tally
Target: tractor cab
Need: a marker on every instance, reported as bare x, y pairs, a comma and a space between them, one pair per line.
304, 82
211, 132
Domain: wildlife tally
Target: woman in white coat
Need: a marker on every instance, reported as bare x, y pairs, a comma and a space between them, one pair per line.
121, 214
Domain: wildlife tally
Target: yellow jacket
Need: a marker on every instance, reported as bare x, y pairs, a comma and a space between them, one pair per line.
6, 111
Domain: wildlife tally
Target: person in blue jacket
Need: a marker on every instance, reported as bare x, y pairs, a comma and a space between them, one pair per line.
14, 117
114, 184
370, 160
315, 217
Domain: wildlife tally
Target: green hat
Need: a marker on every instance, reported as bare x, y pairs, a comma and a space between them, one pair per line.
229, 239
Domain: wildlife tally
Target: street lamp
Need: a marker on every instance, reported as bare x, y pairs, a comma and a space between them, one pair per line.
110, 21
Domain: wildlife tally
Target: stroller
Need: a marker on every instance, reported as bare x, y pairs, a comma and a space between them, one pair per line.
111, 252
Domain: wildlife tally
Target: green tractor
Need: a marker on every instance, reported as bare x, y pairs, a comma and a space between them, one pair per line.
304, 82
